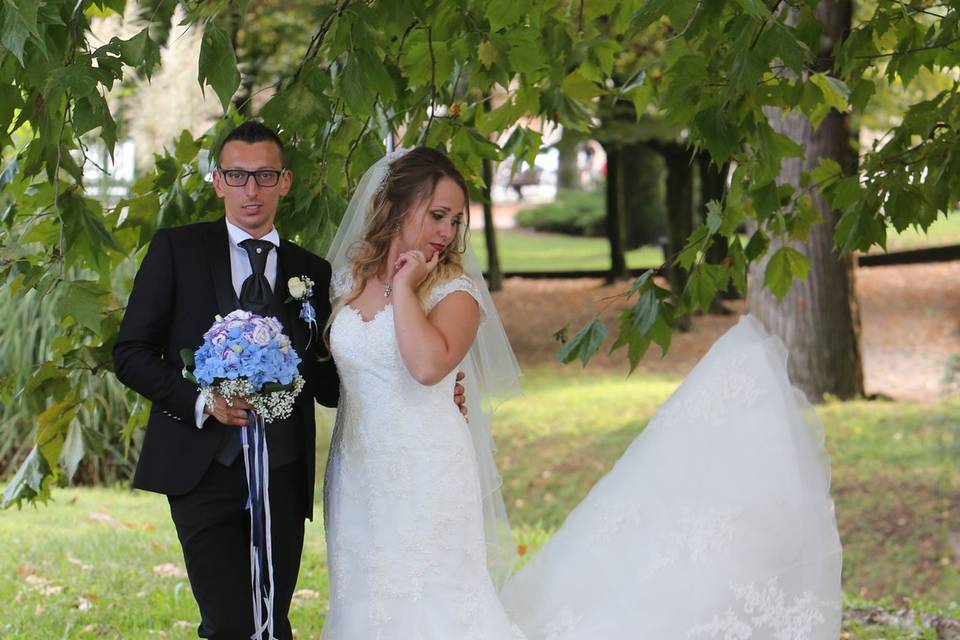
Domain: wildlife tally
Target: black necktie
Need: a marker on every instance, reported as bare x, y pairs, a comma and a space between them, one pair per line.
255, 293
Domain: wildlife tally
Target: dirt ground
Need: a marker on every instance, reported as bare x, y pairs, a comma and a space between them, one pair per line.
910, 317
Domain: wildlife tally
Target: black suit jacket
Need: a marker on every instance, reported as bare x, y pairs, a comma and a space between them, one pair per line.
183, 282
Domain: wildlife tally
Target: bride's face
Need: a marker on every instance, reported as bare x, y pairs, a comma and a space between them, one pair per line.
433, 224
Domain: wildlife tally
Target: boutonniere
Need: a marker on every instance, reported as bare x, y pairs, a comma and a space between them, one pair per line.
301, 290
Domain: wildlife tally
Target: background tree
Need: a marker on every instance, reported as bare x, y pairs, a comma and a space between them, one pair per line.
818, 319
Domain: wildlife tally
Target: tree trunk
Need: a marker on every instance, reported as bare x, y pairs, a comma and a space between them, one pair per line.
646, 197
679, 214
616, 214
818, 320
568, 170
494, 275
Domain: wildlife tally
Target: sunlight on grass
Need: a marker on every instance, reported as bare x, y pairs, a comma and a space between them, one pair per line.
529, 251
943, 231
522, 250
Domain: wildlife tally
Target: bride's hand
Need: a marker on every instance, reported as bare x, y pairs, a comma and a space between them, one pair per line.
412, 267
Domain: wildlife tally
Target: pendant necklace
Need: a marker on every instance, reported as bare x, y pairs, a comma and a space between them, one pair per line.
387, 289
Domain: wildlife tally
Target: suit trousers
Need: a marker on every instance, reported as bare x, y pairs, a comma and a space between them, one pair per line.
213, 526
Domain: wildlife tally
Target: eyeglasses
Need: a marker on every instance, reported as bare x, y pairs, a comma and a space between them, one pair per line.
239, 177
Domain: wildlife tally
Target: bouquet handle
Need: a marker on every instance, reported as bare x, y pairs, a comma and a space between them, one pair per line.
256, 462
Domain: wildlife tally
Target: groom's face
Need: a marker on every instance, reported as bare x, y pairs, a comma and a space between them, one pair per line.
251, 205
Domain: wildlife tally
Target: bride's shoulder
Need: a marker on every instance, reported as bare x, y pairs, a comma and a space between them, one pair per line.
462, 282
341, 281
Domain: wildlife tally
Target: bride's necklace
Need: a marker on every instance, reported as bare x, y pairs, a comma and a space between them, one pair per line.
387, 288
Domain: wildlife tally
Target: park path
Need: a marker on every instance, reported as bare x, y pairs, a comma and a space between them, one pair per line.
910, 316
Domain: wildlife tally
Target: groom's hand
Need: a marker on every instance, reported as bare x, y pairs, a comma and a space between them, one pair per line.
234, 414
458, 394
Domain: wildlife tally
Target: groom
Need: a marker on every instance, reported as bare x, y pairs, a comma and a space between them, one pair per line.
192, 452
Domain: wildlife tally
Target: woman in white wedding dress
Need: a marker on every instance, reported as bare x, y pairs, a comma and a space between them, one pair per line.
716, 523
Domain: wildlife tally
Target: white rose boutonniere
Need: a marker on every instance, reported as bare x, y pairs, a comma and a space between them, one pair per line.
298, 287
301, 290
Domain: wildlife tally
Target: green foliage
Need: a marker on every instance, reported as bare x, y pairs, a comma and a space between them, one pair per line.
583, 343
218, 64
577, 213
427, 68
48, 442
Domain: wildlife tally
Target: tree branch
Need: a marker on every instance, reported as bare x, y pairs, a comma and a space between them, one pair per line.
433, 86
315, 43
356, 143
890, 54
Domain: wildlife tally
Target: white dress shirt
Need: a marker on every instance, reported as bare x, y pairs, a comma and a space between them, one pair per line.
240, 270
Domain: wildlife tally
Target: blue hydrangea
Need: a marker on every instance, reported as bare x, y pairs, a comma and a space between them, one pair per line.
245, 345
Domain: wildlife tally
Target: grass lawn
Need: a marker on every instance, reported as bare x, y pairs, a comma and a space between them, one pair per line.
945, 230
104, 563
522, 250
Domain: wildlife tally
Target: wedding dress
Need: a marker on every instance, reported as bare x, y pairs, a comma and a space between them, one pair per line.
715, 523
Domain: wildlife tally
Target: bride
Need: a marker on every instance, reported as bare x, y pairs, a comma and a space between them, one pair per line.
715, 523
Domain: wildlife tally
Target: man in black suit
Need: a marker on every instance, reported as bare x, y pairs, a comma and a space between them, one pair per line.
192, 452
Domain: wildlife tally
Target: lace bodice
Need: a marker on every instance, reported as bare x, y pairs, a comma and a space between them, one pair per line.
368, 357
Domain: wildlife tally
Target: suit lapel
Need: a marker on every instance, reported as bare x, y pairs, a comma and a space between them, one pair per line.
287, 268
218, 255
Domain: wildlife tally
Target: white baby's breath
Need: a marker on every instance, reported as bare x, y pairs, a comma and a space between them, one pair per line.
272, 406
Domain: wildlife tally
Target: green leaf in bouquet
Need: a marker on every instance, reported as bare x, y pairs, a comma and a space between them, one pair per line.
186, 356
273, 387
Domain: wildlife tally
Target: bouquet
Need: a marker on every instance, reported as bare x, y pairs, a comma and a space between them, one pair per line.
247, 356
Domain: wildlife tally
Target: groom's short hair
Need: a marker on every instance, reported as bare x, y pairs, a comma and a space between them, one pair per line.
252, 131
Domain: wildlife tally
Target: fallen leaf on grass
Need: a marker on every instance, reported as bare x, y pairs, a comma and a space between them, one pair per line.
83, 604
169, 570
25, 570
38, 610
42, 585
78, 563
183, 624
105, 518
304, 594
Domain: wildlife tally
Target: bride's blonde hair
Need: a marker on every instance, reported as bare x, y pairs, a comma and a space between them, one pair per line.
410, 181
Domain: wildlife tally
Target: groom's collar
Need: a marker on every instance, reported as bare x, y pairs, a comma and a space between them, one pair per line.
238, 235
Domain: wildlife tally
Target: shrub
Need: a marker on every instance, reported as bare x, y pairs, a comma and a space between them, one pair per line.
29, 325
578, 213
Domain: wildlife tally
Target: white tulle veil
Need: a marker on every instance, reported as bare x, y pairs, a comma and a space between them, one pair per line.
490, 368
